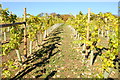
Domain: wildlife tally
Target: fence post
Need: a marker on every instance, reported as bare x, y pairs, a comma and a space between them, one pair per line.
25, 35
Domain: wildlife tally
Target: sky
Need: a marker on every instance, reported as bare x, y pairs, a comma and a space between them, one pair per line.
35, 8
60, 0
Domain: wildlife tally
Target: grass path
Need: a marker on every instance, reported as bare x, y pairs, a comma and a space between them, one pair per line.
67, 63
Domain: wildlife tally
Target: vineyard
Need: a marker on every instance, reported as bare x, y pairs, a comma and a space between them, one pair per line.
56, 46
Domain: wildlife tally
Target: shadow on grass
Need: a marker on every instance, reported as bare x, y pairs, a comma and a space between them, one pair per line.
51, 75
41, 57
99, 52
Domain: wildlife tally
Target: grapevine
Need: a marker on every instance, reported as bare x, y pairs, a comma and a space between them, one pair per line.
99, 23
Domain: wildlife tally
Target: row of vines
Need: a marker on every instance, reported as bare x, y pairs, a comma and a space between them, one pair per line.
12, 37
102, 25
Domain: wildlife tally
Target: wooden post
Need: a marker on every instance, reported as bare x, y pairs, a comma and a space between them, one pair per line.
4, 36
102, 32
88, 23
83, 49
31, 47
80, 38
105, 20
37, 40
41, 37
107, 32
25, 35
91, 57
45, 34
18, 55
88, 29
1, 30
98, 32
